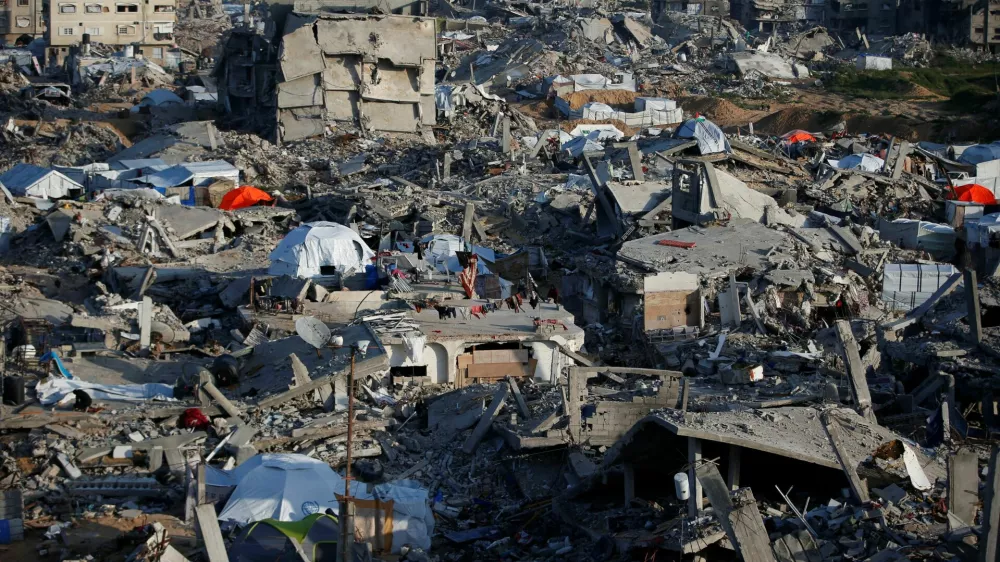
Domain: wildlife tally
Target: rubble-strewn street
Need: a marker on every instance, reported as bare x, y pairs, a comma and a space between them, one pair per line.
445, 282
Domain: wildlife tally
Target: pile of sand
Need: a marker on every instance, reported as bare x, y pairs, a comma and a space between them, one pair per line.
615, 98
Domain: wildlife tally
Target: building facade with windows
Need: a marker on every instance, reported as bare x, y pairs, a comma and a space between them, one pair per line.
148, 25
21, 18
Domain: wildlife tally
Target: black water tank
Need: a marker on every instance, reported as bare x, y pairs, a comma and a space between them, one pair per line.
13, 391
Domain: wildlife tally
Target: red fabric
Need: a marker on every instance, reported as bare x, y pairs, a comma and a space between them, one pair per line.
193, 417
973, 193
243, 196
798, 135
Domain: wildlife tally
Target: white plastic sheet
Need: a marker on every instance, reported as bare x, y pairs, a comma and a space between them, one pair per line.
54, 389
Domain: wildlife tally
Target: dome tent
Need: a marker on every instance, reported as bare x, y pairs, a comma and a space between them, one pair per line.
270, 540
292, 487
977, 154
865, 162
315, 245
710, 137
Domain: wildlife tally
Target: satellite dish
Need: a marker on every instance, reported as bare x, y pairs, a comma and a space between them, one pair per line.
313, 331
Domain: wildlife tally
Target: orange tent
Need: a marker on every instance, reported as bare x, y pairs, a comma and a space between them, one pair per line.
973, 193
798, 135
243, 196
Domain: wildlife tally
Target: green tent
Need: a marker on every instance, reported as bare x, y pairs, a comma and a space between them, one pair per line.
270, 540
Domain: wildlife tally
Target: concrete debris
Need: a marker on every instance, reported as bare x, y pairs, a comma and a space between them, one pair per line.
600, 249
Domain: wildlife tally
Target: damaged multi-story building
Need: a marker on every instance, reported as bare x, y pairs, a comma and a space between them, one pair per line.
373, 71
21, 20
768, 15
147, 27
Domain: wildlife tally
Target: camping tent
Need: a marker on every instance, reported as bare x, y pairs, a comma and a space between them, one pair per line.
710, 137
312, 246
973, 193
270, 540
289, 487
243, 196
980, 153
798, 135
865, 162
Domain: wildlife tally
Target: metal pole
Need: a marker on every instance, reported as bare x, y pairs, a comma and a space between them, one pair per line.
346, 505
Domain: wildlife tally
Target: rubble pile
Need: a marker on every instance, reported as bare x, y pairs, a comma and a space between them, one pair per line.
493, 281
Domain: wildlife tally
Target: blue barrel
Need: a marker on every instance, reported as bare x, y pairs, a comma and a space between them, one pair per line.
371, 277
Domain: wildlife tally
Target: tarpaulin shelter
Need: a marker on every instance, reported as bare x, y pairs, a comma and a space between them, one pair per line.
290, 487
710, 137
798, 135
270, 540
865, 162
243, 196
27, 180
973, 193
305, 251
980, 153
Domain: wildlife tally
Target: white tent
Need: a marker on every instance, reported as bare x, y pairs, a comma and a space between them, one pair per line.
710, 137
289, 487
319, 244
28, 180
865, 162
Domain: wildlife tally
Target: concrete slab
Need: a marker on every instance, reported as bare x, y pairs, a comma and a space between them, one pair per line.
186, 222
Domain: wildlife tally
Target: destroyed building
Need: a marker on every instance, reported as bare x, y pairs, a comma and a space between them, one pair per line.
336, 68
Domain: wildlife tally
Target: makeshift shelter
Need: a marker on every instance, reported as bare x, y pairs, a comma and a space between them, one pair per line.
158, 98
270, 540
313, 247
980, 153
27, 180
973, 193
442, 251
290, 487
710, 137
798, 135
243, 196
865, 162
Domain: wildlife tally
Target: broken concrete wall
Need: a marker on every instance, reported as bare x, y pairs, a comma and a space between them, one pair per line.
434, 358
374, 71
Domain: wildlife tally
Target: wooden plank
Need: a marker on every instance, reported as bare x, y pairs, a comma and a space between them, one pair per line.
963, 487
847, 463
494, 371
208, 527
848, 348
973, 317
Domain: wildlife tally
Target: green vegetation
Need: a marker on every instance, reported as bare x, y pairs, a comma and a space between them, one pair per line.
967, 86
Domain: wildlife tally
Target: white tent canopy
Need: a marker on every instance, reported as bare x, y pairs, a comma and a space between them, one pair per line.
289, 487
710, 137
865, 162
319, 244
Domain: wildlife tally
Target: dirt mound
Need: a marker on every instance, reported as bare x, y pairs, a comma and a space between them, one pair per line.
577, 100
722, 112
780, 122
918, 91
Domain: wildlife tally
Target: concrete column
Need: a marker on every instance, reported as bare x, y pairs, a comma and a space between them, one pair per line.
629, 471
733, 476
696, 502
